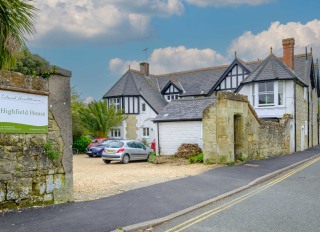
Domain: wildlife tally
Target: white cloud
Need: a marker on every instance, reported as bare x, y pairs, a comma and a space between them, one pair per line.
220, 3
253, 46
88, 100
65, 21
172, 59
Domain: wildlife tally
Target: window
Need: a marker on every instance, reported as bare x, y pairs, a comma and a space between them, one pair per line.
266, 94
143, 107
253, 94
280, 93
115, 102
172, 97
146, 132
115, 133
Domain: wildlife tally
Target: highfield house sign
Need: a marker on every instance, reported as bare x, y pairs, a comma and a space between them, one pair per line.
23, 112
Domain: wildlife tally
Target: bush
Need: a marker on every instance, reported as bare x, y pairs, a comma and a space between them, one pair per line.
81, 143
187, 150
152, 157
196, 158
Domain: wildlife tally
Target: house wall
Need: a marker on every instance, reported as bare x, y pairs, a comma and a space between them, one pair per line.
301, 119
144, 119
313, 120
132, 127
224, 141
272, 111
27, 176
173, 134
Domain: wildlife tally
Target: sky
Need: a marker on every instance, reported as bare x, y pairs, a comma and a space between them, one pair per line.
99, 39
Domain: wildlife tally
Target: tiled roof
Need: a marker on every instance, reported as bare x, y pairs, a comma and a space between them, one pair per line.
194, 82
134, 83
184, 109
272, 69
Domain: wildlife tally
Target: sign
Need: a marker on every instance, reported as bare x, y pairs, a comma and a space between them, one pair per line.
23, 112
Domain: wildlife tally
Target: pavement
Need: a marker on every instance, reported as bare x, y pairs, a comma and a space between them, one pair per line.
154, 204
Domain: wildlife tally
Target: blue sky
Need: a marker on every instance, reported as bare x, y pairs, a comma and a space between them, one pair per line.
98, 39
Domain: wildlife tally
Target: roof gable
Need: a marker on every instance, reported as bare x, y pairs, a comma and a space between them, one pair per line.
237, 62
174, 88
272, 69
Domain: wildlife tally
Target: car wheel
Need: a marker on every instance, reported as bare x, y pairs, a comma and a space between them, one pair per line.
107, 161
125, 159
148, 157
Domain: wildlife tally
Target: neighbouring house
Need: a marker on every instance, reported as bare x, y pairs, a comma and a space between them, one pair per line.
176, 102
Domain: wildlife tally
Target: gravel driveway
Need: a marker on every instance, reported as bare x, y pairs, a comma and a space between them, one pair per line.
94, 179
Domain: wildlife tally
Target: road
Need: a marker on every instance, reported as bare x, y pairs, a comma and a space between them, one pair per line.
290, 202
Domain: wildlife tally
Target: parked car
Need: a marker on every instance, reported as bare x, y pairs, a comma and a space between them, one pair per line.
95, 142
97, 149
125, 151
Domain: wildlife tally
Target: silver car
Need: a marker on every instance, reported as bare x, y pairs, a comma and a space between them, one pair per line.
125, 151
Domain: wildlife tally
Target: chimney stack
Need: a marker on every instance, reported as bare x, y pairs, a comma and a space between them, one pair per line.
144, 68
288, 52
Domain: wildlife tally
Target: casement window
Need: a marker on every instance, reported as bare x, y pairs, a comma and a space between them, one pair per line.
172, 97
115, 133
280, 93
171, 93
266, 94
143, 107
116, 102
146, 132
131, 105
253, 94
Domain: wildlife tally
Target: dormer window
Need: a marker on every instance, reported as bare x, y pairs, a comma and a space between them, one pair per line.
233, 78
171, 92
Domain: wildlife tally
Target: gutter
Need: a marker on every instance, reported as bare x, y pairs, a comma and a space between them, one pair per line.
159, 150
295, 119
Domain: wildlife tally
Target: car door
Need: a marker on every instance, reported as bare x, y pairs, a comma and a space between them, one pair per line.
132, 150
141, 150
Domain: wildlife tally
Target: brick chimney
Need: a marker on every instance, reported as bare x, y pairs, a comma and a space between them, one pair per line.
144, 68
288, 52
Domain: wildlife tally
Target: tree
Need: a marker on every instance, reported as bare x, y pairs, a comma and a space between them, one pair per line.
16, 21
99, 119
77, 105
30, 64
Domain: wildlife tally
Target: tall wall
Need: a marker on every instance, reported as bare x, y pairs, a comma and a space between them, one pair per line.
232, 130
28, 176
301, 118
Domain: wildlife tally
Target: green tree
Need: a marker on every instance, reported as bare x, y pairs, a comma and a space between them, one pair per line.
77, 105
16, 21
99, 119
30, 64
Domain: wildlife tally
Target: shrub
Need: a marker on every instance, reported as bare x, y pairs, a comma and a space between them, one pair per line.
187, 150
196, 158
81, 143
50, 150
152, 157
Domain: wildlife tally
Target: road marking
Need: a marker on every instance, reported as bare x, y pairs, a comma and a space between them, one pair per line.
214, 211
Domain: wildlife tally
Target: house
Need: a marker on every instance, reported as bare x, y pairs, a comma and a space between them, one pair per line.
275, 86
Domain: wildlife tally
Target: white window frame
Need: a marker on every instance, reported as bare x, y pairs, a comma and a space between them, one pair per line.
253, 94
146, 132
116, 102
170, 97
266, 92
115, 133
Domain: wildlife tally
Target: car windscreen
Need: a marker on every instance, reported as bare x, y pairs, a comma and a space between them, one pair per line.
106, 142
116, 144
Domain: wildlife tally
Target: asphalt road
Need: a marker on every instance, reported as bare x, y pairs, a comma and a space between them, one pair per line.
144, 204
290, 202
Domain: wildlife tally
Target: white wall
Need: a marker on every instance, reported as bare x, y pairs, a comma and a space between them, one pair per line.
144, 120
272, 111
173, 134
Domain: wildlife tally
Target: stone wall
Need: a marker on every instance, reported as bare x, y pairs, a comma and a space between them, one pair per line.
232, 131
301, 118
131, 127
28, 176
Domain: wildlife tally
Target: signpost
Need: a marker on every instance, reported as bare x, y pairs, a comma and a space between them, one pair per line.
23, 112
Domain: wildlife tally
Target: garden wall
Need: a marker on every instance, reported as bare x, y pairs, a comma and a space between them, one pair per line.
28, 176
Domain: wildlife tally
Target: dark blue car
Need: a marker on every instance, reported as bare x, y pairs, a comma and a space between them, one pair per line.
97, 150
